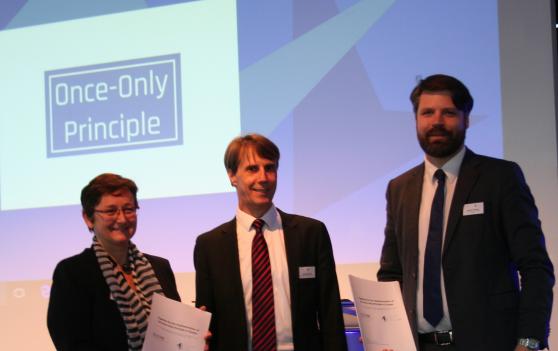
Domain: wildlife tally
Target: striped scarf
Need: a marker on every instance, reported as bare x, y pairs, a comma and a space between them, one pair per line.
134, 306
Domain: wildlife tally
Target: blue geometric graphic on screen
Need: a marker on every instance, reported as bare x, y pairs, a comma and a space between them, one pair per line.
154, 3
47, 11
114, 106
272, 87
263, 27
469, 50
8, 9
345, 137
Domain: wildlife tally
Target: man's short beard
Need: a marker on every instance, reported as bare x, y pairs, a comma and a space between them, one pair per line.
442, 149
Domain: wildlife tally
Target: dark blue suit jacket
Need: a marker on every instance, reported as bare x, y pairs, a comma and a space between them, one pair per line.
484, 255
81, 315
315, 305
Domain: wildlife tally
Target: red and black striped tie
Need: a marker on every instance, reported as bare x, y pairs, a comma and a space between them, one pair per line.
263, 313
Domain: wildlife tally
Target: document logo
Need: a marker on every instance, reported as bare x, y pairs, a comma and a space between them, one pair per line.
114, 106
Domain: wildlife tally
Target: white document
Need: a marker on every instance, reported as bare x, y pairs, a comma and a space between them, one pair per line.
175, 326
381, 315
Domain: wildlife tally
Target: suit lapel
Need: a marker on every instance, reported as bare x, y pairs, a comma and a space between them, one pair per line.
230, 270
291, 245
229, 250
468, 175
411, 197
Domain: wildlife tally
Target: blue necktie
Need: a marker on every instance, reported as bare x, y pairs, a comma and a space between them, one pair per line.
432, 289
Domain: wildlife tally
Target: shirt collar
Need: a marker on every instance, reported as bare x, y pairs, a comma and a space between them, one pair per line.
245, 220
450, 168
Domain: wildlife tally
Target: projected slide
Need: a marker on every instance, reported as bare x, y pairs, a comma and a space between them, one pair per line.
139, 93
155, 93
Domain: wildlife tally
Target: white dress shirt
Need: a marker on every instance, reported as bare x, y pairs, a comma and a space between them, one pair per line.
274, 237
429, 185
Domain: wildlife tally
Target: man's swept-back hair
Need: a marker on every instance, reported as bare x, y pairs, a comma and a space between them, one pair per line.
103, 184
436, 83
264, 147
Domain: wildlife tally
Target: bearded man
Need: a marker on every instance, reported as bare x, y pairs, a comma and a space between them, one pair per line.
463, 237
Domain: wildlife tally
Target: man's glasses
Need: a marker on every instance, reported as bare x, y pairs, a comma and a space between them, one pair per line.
112, 213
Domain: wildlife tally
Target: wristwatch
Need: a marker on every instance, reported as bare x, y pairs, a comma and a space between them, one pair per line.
530, 343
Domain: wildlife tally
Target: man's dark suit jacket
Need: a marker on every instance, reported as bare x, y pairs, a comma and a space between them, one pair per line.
489, 309
317, 320
81, 315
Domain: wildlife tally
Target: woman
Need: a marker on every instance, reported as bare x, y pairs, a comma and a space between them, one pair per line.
101, 298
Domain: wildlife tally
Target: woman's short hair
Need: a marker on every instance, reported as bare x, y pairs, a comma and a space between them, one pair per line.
103, 184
